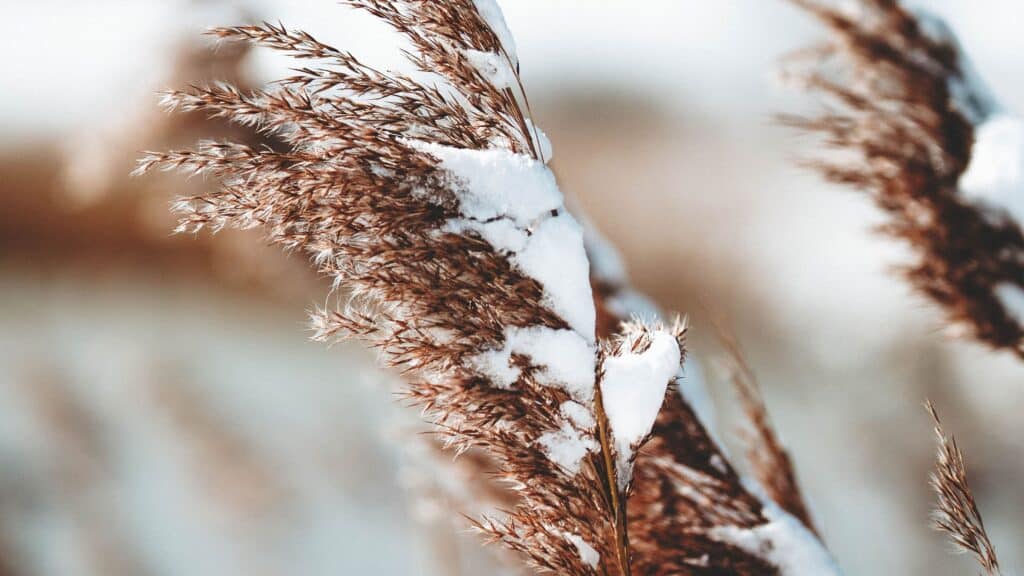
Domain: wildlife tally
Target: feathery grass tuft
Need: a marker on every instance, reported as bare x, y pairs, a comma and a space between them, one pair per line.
428, 200
957, 513
901, 112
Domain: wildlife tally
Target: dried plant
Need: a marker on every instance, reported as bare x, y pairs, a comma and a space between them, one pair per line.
428, 200
437, 484
771, 463
97, 159
903, 111
916, 129
705, 484
616, 301
957, 513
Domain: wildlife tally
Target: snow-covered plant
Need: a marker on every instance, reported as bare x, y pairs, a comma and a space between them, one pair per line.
917, 131
915, 128
429, 200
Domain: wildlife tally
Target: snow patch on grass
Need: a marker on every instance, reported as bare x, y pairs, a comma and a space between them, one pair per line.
589, 556
565, 360
633, 390
995, 175
494, 67
784, 541
567, 447
495, 18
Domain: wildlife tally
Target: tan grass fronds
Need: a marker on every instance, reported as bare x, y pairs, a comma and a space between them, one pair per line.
362, 188
428, 201
901, 110
770, 462
705, 491
666, 459
956, 513
97, 159
684, 489
440, 484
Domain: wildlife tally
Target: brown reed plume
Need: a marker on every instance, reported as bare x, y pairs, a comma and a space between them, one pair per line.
902, 112
431, 206
681, 449
97, 159
956, 514
671, 455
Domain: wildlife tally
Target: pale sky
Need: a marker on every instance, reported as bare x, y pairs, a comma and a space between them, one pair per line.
69, 62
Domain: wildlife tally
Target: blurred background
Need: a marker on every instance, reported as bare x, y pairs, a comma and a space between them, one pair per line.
162, 413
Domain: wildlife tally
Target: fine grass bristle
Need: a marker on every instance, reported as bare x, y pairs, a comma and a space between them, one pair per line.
956, 513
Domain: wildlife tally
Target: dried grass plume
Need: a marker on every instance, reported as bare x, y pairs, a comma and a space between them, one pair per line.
428, 200
956, 514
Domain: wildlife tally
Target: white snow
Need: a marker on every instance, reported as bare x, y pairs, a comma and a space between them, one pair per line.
555, 256
502, 234
996, 172
784, 541
589, 556
578, 414
628, 303
498, 183
633, 390
1012, 298
496, 365
607, 267
970, 94
995, 177
605, 260
566, 360
513, 201
495, 18
568, 447
494, 67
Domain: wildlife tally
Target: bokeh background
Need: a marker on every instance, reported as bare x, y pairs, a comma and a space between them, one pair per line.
161, 412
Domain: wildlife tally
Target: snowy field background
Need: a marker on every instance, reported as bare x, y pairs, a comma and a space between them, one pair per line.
660, 114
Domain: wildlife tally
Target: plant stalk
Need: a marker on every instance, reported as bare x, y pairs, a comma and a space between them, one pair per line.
618, 501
